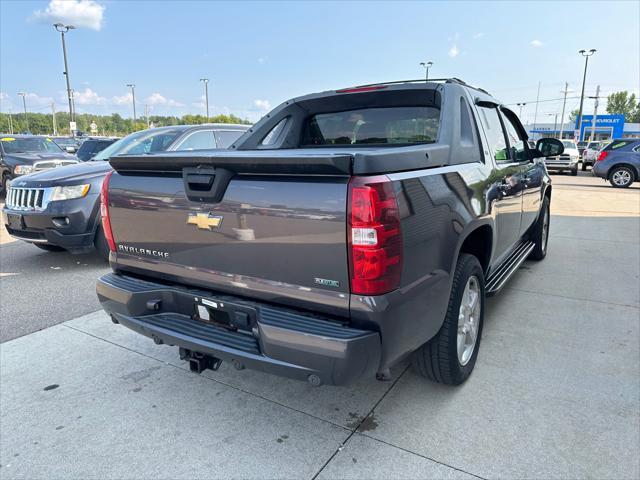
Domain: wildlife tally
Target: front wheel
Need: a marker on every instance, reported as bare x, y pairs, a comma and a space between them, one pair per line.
574, 171
540, 232
101, 245
584, 166
4, 185
621, 177
450, 356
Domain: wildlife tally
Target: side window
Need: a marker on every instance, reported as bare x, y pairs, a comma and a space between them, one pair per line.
201, 140
227, 137
271, 137
495, 134
516, 142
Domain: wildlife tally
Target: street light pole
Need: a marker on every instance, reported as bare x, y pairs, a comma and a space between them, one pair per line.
132, 86
520, 105
586, 56
564, 102
206, 94
24, 104
64, 29
426, 66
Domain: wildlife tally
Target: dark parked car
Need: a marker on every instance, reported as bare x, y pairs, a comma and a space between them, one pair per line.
346, 231
23, 154
92, 146
60, 210
68, 144
619, 162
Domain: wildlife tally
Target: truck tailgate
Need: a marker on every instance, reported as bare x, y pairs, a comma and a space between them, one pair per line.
273, 237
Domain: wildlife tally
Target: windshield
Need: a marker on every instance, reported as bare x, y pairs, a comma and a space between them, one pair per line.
29, 144
568, 144
138, 143
373, 126
593, 145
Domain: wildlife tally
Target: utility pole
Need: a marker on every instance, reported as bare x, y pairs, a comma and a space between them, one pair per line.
586, 56
595, 113
53, 116
564, 102
146, 113
206, 94
24, 103
535, 115
426, 66
10, 122
132, 86
520, 113
64, 29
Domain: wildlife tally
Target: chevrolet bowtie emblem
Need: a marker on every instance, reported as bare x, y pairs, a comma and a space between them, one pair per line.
204, 221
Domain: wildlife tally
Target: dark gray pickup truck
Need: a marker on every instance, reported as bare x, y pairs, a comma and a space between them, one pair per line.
342, 233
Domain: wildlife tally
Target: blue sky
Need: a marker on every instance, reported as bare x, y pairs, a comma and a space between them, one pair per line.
259, 54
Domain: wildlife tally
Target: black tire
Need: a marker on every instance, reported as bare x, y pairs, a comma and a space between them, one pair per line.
101, 245
4, 185
574, 171
438, 359
540, 235
621, 177
49, 248
583, 167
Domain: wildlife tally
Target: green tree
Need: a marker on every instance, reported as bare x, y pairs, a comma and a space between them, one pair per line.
624, 104
574, 115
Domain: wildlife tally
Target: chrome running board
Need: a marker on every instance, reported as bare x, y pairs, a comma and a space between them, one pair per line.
508, 267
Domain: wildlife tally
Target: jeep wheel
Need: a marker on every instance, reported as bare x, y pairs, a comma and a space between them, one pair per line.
49, 248
450, 356
4, 186
540, 232
621, 177
101, 245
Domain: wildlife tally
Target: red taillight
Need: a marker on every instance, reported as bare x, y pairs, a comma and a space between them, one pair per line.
375, 239
602, 155
104, 212
371, 88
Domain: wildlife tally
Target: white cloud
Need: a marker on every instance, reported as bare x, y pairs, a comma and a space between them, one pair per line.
122, 100
157, 99
79, 13
262, 104
454, 51
88, 97
536, 43
478, 35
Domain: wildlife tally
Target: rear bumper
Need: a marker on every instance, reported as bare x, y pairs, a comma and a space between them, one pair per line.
262, 337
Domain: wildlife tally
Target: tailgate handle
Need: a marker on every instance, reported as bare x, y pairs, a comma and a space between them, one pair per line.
206, 184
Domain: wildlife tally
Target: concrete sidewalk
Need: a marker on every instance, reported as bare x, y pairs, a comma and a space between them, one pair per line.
555, 392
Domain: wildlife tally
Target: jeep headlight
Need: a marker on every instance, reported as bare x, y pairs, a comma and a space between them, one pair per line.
67, 193
22, 169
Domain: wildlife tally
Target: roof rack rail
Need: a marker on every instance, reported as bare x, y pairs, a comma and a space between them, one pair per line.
422, 80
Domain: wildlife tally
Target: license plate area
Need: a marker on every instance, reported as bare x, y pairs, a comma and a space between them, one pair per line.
229, 315
15, 221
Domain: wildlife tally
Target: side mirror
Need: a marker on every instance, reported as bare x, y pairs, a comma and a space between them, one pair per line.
548, 147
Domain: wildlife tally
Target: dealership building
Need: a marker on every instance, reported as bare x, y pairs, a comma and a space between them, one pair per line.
607, 127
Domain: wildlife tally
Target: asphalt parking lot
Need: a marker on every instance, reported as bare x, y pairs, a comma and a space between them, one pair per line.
555, 392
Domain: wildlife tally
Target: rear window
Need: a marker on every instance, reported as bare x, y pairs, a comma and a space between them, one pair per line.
373, 126
616, 144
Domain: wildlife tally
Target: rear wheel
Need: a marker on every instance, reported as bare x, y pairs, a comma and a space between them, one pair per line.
621, 177
584, 166
540, 232
574, 171
49, 248
101, 245
450, 356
